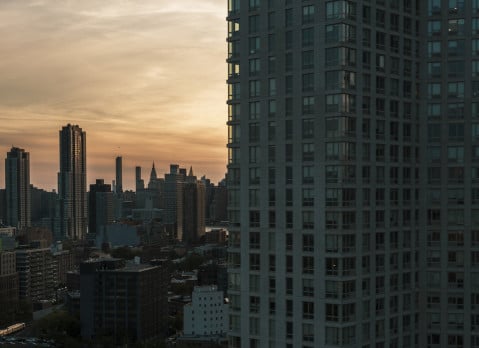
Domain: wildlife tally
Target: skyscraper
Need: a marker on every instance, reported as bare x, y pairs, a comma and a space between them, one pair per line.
139, 182
449, 148
173, 193
352, 173
72, 208
193, 209
17, 188
119, 175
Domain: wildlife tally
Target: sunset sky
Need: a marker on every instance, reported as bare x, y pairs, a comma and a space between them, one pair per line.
144, 78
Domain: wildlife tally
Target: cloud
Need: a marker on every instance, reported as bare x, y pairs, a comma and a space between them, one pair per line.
144, 78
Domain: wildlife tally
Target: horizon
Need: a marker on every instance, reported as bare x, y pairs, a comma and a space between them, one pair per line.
145, 81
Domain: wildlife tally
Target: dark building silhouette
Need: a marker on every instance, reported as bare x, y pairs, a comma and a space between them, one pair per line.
174, 183
154, 194
8, 287
193, 209
139, 182
124, 300
119, 175
43, 208
17, 188
100, 206
37, 272
219, 206
3, 203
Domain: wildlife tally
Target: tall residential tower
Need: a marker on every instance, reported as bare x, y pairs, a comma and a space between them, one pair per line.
352, 173
72, 214
17, 188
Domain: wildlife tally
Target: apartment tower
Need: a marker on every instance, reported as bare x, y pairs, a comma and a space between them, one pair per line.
17, 188
356, 194
72, 214
449, 215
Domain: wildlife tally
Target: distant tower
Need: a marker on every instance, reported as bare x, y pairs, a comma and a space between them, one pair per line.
17, 186
100, 206
72, 184
193, 209
140, 184
119, 175
153, 175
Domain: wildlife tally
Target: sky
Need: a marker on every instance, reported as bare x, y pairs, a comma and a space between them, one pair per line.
145, 79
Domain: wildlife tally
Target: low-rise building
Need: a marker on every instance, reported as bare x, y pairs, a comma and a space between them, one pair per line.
207, 314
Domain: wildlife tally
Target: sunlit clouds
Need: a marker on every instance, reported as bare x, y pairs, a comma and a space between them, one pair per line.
145, 80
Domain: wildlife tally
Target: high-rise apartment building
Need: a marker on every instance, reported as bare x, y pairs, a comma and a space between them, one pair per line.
72, 208
449, 149
17, 188
352, 173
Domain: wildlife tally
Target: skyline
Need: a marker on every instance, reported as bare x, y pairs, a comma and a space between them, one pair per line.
127, 73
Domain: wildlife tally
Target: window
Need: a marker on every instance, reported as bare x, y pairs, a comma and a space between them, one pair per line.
308, 151
456, 26
308, 105
340, 32
308, 220
340, 10
340, 103
307, 37
456, 131
308, 174
434, 69
308, 14
254, 262
254, 88
475, 47
434, 48
434, 110
455, 154
307, 59
253, 4
254, 67
308, 242
434, 90
308, 264
455, 47
308, 287
253, 24
308, 82
434, 7
254, 44
434, 27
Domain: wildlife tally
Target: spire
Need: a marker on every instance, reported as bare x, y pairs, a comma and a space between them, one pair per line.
153, 173
191, 171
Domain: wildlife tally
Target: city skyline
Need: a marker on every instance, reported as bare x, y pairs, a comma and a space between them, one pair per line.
127, 73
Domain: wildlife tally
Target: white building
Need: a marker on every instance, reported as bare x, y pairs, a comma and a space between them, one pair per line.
207, 314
